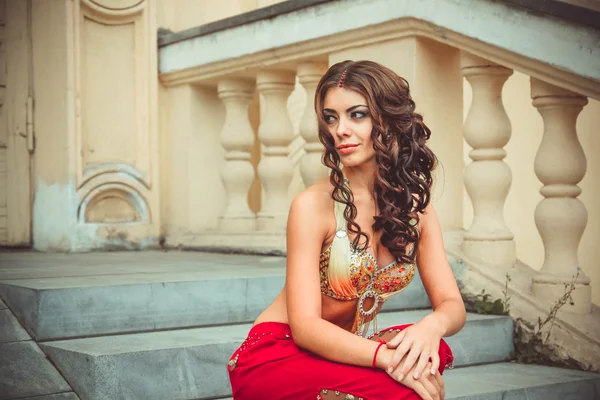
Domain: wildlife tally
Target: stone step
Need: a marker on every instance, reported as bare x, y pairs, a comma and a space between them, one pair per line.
520, 382
191, 363
207, 294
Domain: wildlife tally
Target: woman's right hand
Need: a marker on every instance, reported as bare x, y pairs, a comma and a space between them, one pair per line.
428, 387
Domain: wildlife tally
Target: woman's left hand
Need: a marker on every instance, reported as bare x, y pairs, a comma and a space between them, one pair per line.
421, 343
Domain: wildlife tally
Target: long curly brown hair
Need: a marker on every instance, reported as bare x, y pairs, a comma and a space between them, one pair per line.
403, 179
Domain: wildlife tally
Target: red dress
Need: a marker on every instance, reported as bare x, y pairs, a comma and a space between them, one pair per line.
269, 365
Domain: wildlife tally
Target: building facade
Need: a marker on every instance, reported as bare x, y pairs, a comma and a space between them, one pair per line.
133, 124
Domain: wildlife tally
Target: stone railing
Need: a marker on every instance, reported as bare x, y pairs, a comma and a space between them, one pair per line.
558, 89
560, 165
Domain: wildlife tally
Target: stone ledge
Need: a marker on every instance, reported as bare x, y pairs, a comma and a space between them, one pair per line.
261, 243
485, 28
191, 363
577, 336
562, 9
559, 9
101, 305
237, 20
520, 382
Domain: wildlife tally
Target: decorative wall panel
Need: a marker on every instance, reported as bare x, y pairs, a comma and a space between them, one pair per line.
115, 128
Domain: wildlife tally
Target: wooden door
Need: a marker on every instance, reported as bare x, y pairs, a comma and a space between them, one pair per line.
16, 123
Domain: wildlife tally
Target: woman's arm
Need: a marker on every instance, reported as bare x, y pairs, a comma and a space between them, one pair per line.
421, 341
438, 279
306, 232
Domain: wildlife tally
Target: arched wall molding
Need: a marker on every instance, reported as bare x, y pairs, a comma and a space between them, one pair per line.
126, 186
92, 172
112, 15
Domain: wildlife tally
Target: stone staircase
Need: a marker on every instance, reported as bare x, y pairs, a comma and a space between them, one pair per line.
161, 325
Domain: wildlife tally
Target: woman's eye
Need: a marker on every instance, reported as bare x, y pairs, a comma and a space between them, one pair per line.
329, 118
358, 114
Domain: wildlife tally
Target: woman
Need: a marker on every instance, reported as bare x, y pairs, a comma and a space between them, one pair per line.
353, 240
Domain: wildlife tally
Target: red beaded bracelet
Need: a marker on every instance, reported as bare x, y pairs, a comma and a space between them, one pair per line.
381, 343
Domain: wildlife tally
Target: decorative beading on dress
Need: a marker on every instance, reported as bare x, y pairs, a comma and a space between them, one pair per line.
370, 281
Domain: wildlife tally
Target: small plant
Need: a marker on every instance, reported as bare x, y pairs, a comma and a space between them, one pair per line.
482, 303
506, 301
530, 341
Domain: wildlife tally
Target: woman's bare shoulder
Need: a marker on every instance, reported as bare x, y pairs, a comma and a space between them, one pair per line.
313, 210
315, 199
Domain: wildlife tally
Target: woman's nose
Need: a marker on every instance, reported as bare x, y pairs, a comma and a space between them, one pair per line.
342, 128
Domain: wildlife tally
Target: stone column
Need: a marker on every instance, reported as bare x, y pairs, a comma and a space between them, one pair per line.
311, 167
488, 178
275, 133
560, 217
237, 138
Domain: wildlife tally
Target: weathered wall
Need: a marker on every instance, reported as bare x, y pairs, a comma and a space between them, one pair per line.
178, 15
95, 79
97, 157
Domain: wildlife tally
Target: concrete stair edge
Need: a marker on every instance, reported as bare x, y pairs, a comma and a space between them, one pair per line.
96, 367
104, 310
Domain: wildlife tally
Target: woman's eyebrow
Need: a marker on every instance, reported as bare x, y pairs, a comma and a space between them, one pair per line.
348, 110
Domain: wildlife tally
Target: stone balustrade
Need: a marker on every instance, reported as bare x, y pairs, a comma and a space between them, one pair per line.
560, 165
275, 132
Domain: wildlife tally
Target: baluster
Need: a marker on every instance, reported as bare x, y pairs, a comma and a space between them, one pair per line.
488, 178
237, 138
560, 217
275, 133
311, 167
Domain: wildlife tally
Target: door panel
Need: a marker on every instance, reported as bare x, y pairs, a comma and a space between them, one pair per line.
16, 137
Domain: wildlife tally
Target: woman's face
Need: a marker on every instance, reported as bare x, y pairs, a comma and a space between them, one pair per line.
347, 116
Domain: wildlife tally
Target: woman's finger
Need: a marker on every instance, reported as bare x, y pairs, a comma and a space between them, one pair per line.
398, 356
435, 363
433, 379
412, 357
418, 387
422, 364
430, 387
440, 381
392, 344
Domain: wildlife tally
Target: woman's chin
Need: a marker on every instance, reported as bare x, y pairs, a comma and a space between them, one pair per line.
351, 161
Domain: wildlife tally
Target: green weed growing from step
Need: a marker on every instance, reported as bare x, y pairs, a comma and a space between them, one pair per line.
483, 303
531, 340
531, 344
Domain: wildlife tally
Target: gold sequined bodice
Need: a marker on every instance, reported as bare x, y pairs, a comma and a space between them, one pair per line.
370, 281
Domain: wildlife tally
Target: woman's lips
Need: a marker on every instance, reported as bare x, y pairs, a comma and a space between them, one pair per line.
347, 148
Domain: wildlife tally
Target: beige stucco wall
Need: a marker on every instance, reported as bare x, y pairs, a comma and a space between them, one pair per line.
177, 15
190, 119
524, 196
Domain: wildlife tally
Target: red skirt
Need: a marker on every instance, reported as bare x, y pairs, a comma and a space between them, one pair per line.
269, 365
